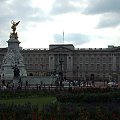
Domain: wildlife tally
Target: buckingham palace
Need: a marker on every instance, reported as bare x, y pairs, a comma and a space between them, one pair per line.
74, 63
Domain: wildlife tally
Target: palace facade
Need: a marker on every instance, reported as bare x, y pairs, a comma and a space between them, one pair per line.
74, 63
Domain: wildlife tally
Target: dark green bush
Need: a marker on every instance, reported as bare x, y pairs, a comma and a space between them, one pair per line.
89, 97
17, 112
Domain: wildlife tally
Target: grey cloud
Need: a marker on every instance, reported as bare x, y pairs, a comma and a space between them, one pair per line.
102, 6
58, 38
108, 9
18, 10
109, 20
24, 11
75, 38
66, 6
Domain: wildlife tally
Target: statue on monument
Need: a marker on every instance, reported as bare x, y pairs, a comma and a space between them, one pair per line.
12, 66
13, 27
14, 24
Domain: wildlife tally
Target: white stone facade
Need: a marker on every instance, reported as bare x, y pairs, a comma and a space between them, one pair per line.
81, 63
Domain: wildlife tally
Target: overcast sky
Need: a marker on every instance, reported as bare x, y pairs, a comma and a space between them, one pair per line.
86, 23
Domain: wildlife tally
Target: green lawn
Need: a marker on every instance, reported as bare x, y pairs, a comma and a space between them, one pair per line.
40, 101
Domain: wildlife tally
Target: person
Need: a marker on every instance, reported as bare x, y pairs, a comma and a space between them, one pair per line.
3, 83
93, 83
26, 83
20, 83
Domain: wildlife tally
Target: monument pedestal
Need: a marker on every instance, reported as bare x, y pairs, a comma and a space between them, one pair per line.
12, 58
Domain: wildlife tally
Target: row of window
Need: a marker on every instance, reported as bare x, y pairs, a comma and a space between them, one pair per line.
95, 66
37, 66
84, 77
81, 59
80, 67
34, 55
93, 59
35, 60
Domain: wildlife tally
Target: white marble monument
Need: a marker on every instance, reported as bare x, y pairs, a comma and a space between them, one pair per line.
13, 57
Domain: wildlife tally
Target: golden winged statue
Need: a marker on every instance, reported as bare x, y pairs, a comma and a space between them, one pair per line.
13, 27
14, 24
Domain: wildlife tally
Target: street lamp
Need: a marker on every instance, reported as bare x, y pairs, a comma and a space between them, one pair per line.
79, 82
77, 72
61, 73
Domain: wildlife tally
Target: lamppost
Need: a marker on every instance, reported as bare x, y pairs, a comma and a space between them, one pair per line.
79, 82
77, 72
61, 72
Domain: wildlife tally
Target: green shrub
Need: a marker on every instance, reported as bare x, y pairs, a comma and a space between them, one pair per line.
88, 97
17, 112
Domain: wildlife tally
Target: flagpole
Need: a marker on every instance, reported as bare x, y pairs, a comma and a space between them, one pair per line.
63, 37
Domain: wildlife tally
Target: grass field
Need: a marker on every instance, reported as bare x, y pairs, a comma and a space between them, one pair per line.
40, 101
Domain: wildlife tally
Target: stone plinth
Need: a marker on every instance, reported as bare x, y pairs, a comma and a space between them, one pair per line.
12, 58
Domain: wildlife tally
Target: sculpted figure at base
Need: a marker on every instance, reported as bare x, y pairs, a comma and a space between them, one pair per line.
16, 72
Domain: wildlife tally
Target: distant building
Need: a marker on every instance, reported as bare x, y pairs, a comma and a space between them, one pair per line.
74, 63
